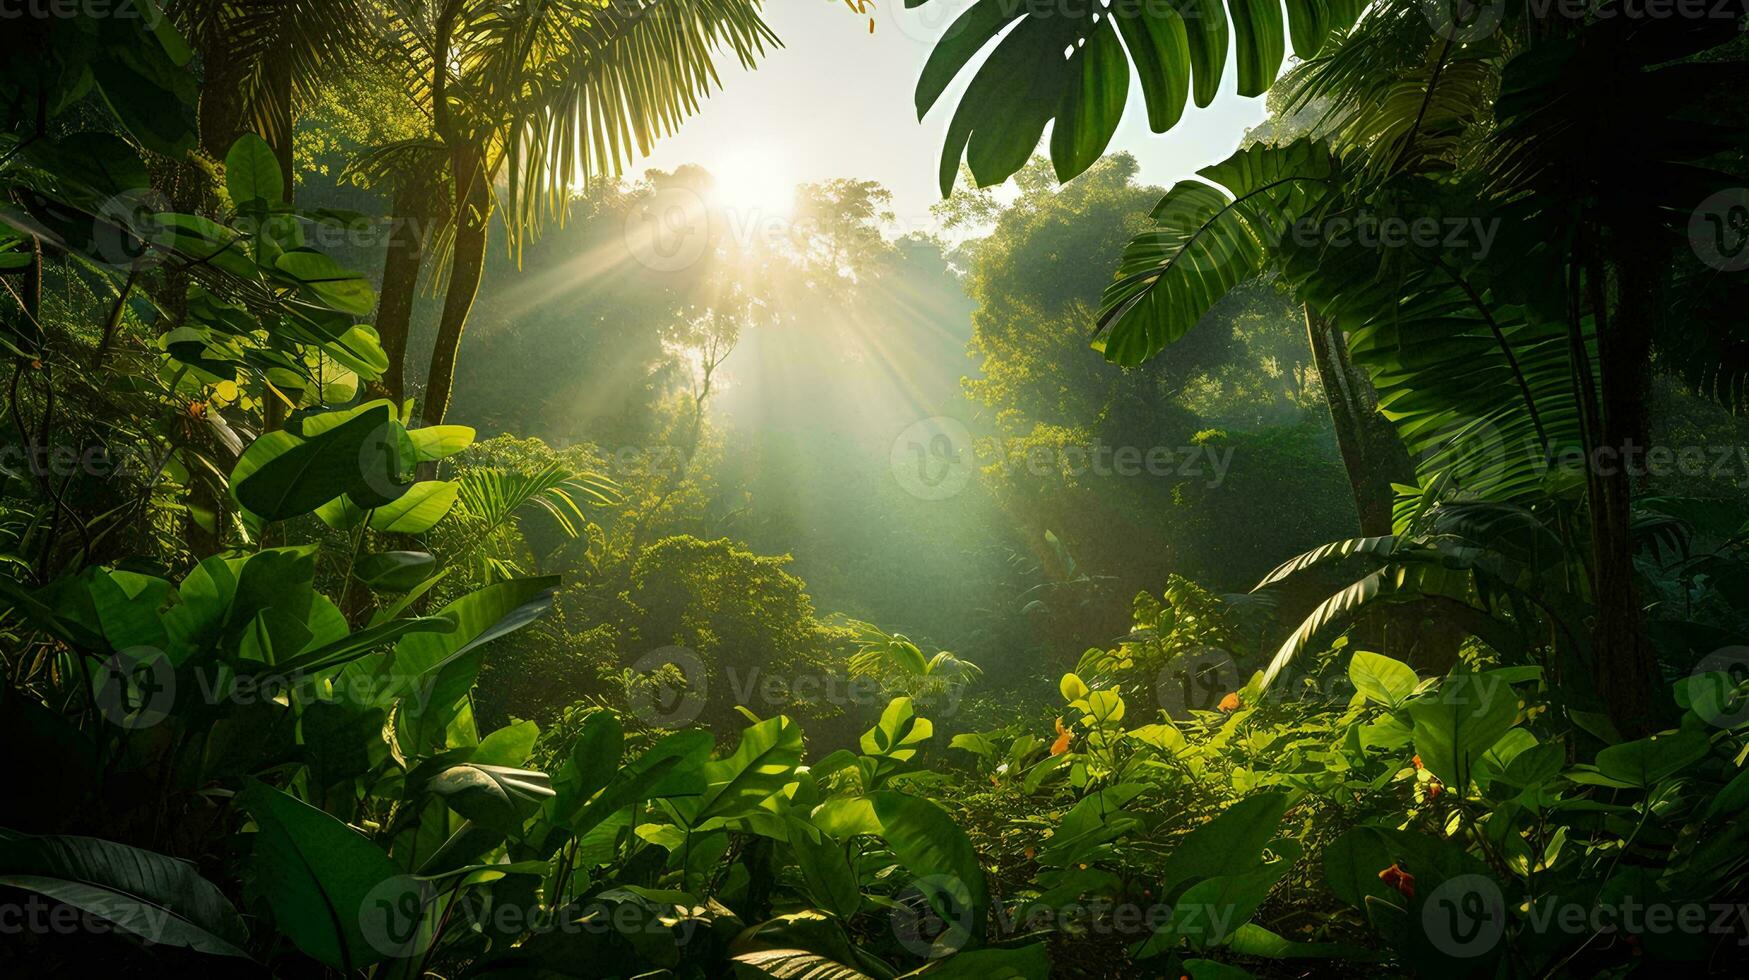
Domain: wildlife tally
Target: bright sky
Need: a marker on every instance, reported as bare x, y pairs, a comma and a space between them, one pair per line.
836, 101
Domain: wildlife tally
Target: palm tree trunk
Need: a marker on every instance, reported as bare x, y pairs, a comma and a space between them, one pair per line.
1372, 455
467, 264
279, 94
402, 262
1626, 666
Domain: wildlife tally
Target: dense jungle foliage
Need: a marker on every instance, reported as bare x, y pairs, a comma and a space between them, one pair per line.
430, 548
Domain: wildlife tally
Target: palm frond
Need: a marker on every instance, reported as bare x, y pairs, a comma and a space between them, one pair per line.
494, 496
1209, 237
611, 80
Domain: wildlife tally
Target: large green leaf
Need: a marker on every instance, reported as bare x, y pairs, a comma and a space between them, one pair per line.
496, 797
590, 766
826, 868
1455, 725
439, 669
1072, 64
325, 281
1381, 679
298, 477
928, 843
1019, 963
1234, 840
144, 75
667, 768
1644, 762
395, 571
317, 875
252, 175
1209, 237
1210, 911
418, 510
158, 898
761, 766
480, 617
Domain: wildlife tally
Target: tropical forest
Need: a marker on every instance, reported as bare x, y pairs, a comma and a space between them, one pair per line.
874, 489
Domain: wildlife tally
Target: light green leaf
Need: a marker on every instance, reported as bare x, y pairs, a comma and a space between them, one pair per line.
252, 174
1381, 679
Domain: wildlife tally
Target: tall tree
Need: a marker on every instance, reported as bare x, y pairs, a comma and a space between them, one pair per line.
528, 100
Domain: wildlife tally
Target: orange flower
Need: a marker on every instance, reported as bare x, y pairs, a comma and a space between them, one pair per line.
1230, 703
1395, 877
1434, 789
197, 410
1030, 852
1416, 762
1061, 745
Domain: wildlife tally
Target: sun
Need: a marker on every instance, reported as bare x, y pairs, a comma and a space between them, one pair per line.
754, 180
